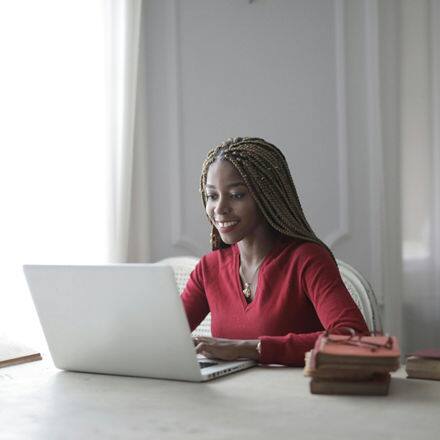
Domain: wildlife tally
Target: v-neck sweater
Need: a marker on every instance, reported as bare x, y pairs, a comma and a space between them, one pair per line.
299, 294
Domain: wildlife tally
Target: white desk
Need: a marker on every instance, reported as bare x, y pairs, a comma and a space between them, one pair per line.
39, 402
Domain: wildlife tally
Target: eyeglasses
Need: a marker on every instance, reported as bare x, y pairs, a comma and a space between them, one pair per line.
356, 340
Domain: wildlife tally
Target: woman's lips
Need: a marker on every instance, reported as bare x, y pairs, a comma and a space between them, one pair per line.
226, 227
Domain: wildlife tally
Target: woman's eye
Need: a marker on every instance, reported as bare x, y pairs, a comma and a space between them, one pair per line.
234, 196
237, 196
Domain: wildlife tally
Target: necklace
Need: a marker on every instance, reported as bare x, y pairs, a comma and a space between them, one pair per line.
247, 291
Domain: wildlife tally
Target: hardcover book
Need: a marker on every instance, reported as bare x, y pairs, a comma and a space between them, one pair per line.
342, 374
378, 385
374, 353
424, 364
12, 352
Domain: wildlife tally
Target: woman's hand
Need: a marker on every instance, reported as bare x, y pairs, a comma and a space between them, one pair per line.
226, 349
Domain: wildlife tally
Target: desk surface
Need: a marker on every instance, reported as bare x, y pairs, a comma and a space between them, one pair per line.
37, 401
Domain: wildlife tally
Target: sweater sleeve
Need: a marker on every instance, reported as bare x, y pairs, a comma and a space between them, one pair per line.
194, 299
321, 281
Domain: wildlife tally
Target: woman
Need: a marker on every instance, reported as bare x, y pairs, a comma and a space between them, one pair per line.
270, 284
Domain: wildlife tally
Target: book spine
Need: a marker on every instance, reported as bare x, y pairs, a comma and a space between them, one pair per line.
417, 374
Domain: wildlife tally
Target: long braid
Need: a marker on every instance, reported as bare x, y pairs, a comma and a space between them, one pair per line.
266, 173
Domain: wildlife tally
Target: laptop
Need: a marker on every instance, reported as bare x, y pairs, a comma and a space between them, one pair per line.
122, 319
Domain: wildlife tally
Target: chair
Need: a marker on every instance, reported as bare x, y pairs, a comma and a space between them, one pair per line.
358, 287
183, 266
362, 294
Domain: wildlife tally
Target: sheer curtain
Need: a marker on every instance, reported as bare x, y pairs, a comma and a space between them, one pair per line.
127, 132
54, 167
73, 178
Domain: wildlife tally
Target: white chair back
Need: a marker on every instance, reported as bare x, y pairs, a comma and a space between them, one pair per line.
183, 266
362, 294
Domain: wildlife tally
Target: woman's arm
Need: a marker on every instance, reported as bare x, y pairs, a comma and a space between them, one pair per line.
320, 279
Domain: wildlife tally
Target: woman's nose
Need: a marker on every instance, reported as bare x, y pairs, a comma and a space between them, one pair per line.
222, 206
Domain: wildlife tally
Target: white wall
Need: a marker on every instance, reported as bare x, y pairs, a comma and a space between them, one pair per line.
420, 184
306, 75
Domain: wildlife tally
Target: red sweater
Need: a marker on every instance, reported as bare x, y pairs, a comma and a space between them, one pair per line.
299, 294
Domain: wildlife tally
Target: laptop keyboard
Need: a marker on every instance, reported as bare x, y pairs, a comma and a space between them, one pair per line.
203, 364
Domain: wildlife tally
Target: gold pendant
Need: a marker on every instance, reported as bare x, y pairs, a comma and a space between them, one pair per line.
247, 290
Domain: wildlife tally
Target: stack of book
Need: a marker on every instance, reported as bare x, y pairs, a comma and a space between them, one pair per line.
424, 364
354, 364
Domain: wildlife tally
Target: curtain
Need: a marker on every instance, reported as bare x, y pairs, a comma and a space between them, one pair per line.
127, 132
53, 160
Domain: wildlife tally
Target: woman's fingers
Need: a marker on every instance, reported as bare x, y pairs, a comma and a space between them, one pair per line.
206, 350
216, 351
202, 346
216, 348
204, 339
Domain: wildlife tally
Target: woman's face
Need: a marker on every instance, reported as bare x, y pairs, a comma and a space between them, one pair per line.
230, 205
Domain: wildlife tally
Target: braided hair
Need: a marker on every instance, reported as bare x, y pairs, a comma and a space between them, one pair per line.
265, 171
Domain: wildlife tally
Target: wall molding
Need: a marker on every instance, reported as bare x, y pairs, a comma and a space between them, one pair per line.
343, 231
178, 235
374, 142
434, 10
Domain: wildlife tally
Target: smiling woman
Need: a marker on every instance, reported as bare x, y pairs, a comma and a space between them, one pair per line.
230, 206
271, 285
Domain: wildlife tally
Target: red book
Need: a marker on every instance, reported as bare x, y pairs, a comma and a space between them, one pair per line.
430, 353
375, 353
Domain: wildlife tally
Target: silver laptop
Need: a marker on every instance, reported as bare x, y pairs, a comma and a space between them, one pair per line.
123, 319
